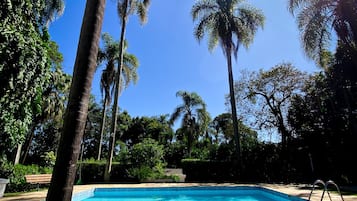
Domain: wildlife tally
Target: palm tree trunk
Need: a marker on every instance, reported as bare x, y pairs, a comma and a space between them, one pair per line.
76, 113
233, 107
108, 168
102, 126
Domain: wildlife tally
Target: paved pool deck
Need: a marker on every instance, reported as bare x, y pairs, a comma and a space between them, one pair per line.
299, 190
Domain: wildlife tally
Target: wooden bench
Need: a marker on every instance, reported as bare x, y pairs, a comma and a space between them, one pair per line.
38, 179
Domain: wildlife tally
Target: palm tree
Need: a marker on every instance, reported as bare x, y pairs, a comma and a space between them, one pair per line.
317, 17
64, 171
52, 10
110, 54
195, 117
229, 23
125, 8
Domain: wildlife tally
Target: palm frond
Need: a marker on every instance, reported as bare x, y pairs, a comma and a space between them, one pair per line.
53, 9
314, 34
205, 22
202, 8
132, 6
213, 39
295, 5
176, 114
101, 57
122, 9
249, 21
130, 60
142, 10
146, 3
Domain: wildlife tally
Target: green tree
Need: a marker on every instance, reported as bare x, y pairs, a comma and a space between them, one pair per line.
24, 69
324, 119
76, 113
195, 117
110, 54
223, 127
157, 128
54, 97
92, 129
125, 9
231, 24
264, 97
146, 158
316, 19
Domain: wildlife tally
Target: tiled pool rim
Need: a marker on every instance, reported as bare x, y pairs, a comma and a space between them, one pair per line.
90, 193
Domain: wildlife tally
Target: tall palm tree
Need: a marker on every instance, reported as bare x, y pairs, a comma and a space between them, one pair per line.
125, 8
229, 23
110, 54
64, 171
317, 17
195, 117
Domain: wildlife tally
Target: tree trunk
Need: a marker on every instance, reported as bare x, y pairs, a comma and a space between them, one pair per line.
76, 113
27, 144
102, 126
108, 168
18, 153
233, 107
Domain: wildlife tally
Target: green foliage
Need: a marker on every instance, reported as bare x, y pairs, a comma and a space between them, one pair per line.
147, 160
174, 153
224, 152
143, 173
139, 128
326, 126
24, 68
194, 117
6, 167
229, 23
17, 178
147, 153
49, 159
317, 19
124, 154
92, 171
264, 97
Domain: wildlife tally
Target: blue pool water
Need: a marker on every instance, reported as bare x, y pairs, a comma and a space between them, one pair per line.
185, 194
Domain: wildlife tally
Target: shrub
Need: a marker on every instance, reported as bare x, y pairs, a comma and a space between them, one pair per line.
146, 159
142, 173
174, 153
49, 159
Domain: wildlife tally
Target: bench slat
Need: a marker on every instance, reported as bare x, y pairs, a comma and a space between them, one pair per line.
39, 178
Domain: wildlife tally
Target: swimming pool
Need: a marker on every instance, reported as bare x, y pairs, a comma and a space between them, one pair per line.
239, 193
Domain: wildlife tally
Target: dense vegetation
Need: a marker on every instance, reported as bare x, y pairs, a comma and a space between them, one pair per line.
314, 116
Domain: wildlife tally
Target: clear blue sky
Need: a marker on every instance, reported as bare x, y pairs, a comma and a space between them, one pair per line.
171, 59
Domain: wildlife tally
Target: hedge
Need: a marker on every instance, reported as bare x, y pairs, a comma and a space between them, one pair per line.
209, 171
93, 172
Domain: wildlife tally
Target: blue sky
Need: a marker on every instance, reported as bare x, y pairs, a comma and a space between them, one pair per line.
171, 59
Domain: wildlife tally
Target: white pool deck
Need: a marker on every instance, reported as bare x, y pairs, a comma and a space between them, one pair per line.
299, 190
